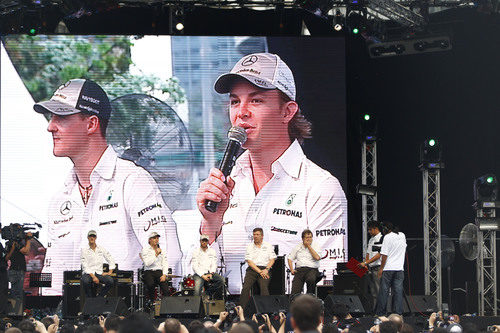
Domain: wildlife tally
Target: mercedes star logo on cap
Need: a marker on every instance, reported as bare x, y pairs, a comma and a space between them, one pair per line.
249, 60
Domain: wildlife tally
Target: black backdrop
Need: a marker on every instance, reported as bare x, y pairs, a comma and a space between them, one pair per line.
451, 96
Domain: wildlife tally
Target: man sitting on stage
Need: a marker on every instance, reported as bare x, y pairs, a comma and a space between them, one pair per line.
155, 266
260, 257
92, 258
306, 267
204, 264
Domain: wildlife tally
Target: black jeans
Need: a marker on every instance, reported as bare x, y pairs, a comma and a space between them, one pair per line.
307, 275
213, 288
251, 277
151, 280
106, 280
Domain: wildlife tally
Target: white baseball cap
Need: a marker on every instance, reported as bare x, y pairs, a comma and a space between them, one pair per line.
265, 70
153, 235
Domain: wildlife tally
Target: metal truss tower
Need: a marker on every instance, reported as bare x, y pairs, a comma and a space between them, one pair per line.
368, 177
432, 231
486, 266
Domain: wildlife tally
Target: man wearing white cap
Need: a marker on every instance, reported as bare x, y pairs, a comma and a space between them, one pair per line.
204, 264
155, 266
111, 195
272, 185
92, 258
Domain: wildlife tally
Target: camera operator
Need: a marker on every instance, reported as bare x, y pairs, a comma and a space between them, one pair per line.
16, 250
4, 280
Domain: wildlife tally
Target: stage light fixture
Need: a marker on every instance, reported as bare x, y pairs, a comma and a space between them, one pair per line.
368, 190
431, 154
179, 26
486, 189
337, 27
368, 127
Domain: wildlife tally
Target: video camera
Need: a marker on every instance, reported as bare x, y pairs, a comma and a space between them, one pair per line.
17, 232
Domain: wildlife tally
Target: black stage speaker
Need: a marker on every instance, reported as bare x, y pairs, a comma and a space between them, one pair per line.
126, 292
347, 284
352, 301
323, 291
185, 306
277, 282
422, 303
71, 300
14, 307
101, 305
471, 305
267, 304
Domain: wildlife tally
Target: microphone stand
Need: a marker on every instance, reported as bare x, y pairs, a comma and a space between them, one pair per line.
222, 265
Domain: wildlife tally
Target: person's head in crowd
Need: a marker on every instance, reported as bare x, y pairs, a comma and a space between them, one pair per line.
406, 328
27, 326
340, 311
172, 325
93, 329
47, 321
374, 228
387, 327
112, 323
13, 330
253, 325
469, 327
195, 326
137, 322
306, 313
67, 328
241, 327
396, 319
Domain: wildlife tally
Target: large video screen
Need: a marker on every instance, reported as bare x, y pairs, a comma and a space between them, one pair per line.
146, 170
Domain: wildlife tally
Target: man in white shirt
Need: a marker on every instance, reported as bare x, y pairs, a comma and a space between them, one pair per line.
103, 192
204, 264
92, 259
306, 266
155, 266
372, 259
260, 258
273, 185
391, 270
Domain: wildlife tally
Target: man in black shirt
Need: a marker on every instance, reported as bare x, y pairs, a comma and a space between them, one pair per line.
15, 253
4, 281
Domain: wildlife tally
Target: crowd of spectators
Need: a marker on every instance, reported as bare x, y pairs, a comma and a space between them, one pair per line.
306, 315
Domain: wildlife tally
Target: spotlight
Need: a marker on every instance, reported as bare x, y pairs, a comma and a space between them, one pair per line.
368, 190
32, 31
431, 154
337, 27
486, 188
368, 127
356, 23
179, 26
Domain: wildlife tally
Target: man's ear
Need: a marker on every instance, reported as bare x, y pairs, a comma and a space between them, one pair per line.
289, 110
292, 321
93, 124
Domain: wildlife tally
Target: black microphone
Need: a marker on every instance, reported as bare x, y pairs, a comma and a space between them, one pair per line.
237, 137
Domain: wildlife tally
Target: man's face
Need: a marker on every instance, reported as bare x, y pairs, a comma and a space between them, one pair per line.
204, 243
257, 237
373, 231
154, 240
91, 239
308, 238
69, 134
259, 111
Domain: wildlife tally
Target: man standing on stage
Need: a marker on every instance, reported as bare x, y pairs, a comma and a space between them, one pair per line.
204, 264
306, 267
273, 185
16, 252
113, 196
93, 258
391, 270
155, 266
260, 258
372, 259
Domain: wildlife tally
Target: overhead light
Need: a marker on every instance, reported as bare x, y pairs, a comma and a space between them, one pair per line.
410, 46
368, 190
368, 127
431, 154
179, 26
486, 190
488, 223
337, 27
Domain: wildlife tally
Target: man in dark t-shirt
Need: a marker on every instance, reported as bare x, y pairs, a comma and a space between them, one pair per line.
16, 252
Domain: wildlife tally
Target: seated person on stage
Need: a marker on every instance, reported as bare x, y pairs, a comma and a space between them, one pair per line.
92, 258
307, 263
155, 266
260, 258
204, 264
